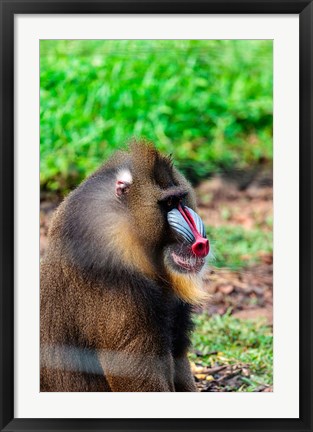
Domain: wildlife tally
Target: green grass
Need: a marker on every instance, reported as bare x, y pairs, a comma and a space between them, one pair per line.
209, 103
236, 247
235, 341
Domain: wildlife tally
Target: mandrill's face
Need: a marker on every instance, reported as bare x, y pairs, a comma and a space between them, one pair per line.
162, 205
190, 246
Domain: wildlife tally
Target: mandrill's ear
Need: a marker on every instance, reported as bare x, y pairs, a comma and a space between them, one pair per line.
123, 181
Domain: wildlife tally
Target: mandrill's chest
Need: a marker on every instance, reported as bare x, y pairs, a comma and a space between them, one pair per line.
171, 319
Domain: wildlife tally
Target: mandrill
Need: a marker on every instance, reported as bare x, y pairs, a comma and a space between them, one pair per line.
120, 276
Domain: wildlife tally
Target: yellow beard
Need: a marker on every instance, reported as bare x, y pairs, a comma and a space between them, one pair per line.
188, 287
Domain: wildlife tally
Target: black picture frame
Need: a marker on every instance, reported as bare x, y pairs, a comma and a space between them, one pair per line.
11, 7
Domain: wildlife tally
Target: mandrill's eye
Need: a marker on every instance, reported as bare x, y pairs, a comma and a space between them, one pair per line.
172, 201
169, 202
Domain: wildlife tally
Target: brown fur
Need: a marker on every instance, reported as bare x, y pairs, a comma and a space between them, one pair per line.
113, 316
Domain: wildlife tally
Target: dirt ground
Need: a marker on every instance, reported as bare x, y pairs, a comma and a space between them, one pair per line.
249, 292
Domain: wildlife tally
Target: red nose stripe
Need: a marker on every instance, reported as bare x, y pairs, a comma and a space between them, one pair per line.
201, 246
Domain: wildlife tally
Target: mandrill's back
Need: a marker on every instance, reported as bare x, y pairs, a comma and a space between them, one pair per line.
114, 308
68, 361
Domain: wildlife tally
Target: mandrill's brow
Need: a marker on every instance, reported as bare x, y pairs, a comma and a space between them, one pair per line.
173, 192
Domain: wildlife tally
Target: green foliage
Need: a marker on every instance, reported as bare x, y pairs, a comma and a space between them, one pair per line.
236, 247
235, 341
207, 102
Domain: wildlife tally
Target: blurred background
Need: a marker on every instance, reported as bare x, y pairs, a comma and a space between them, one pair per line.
209, 103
